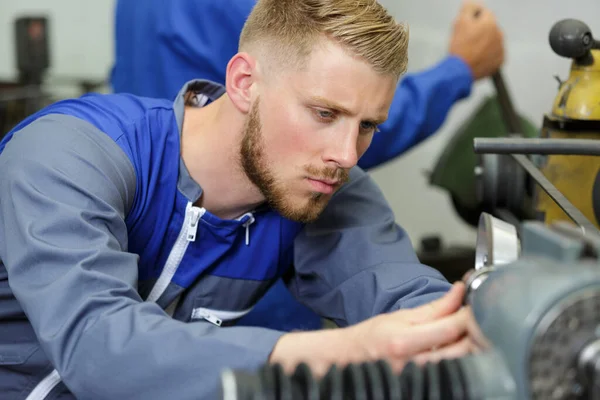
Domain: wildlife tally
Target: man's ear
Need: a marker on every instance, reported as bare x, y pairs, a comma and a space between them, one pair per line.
241, 75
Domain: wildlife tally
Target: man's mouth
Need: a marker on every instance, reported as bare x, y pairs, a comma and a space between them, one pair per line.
326, 186
332, 182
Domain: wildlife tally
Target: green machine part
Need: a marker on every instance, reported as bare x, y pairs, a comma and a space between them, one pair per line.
455, 168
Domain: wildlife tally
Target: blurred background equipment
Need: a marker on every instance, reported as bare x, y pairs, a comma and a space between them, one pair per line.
32, 47
495, 117
28, 92
552, 174
22, 97
553, 177
575, 115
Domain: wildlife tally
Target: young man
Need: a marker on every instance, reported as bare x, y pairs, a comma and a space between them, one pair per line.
160, 45
135, 232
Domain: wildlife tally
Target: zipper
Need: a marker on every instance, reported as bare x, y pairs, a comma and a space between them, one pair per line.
192, 227
247, 224
43, 389
216, 317
186, 235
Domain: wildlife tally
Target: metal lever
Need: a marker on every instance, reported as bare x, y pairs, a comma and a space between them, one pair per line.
509, 115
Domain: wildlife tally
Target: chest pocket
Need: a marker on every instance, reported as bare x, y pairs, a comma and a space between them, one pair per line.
221, 301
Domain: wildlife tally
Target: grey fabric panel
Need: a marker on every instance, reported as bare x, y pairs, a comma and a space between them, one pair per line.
22, 362
186, 185
171, 292
60, 392
63, 196
225, 294
214, 292
145, 287
169, 295
17, 380
355, 261
9, 306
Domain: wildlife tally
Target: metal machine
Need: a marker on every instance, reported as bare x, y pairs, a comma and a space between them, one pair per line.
534, 294
575, 115
30, 90
521, 178
24, 95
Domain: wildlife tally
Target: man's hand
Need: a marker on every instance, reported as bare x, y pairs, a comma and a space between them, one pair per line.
477, 39
428, 333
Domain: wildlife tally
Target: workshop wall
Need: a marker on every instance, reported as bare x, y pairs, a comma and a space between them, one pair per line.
81, 40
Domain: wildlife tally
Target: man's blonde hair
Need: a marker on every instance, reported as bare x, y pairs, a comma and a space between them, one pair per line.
289, 29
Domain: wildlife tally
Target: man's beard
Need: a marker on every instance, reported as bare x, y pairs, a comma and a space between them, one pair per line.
256, 168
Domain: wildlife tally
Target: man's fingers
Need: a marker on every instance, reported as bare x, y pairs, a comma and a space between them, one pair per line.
454, 350
424, 337
439, 308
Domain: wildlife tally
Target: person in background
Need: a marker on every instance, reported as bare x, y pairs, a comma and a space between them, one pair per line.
160, 45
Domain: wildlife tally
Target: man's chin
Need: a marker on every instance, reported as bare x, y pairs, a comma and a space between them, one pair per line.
303, 215
302, 218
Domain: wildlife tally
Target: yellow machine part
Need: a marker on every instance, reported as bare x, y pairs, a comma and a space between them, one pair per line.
578, 99
574, 177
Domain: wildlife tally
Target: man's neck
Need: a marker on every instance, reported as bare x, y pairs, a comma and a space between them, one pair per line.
210, 149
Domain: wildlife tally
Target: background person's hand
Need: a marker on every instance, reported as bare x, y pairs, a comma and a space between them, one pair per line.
477, 39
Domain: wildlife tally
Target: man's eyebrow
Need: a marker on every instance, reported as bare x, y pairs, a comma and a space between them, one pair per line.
323, 102
330, 104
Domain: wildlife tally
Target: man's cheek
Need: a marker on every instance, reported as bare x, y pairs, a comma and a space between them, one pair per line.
363, 144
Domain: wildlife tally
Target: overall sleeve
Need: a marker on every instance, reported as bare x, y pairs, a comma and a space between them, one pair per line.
355, 262
420, 106
65, 190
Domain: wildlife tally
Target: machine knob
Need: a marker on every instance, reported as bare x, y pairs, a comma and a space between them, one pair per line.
571, 38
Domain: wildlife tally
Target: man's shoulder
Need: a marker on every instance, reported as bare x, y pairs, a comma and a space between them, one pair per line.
122, 107
133, 123
116, 115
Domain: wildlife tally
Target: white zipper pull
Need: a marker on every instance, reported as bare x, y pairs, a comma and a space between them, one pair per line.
212, 319
192, 228
246, 225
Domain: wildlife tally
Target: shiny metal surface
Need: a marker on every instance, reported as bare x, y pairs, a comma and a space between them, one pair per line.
497, 242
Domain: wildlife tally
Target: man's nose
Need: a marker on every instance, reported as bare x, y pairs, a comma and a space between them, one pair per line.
342, 150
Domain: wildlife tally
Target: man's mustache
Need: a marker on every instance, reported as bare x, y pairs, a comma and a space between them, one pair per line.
340, 175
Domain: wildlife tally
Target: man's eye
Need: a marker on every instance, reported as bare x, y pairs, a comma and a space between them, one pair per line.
368, 126
325, 114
